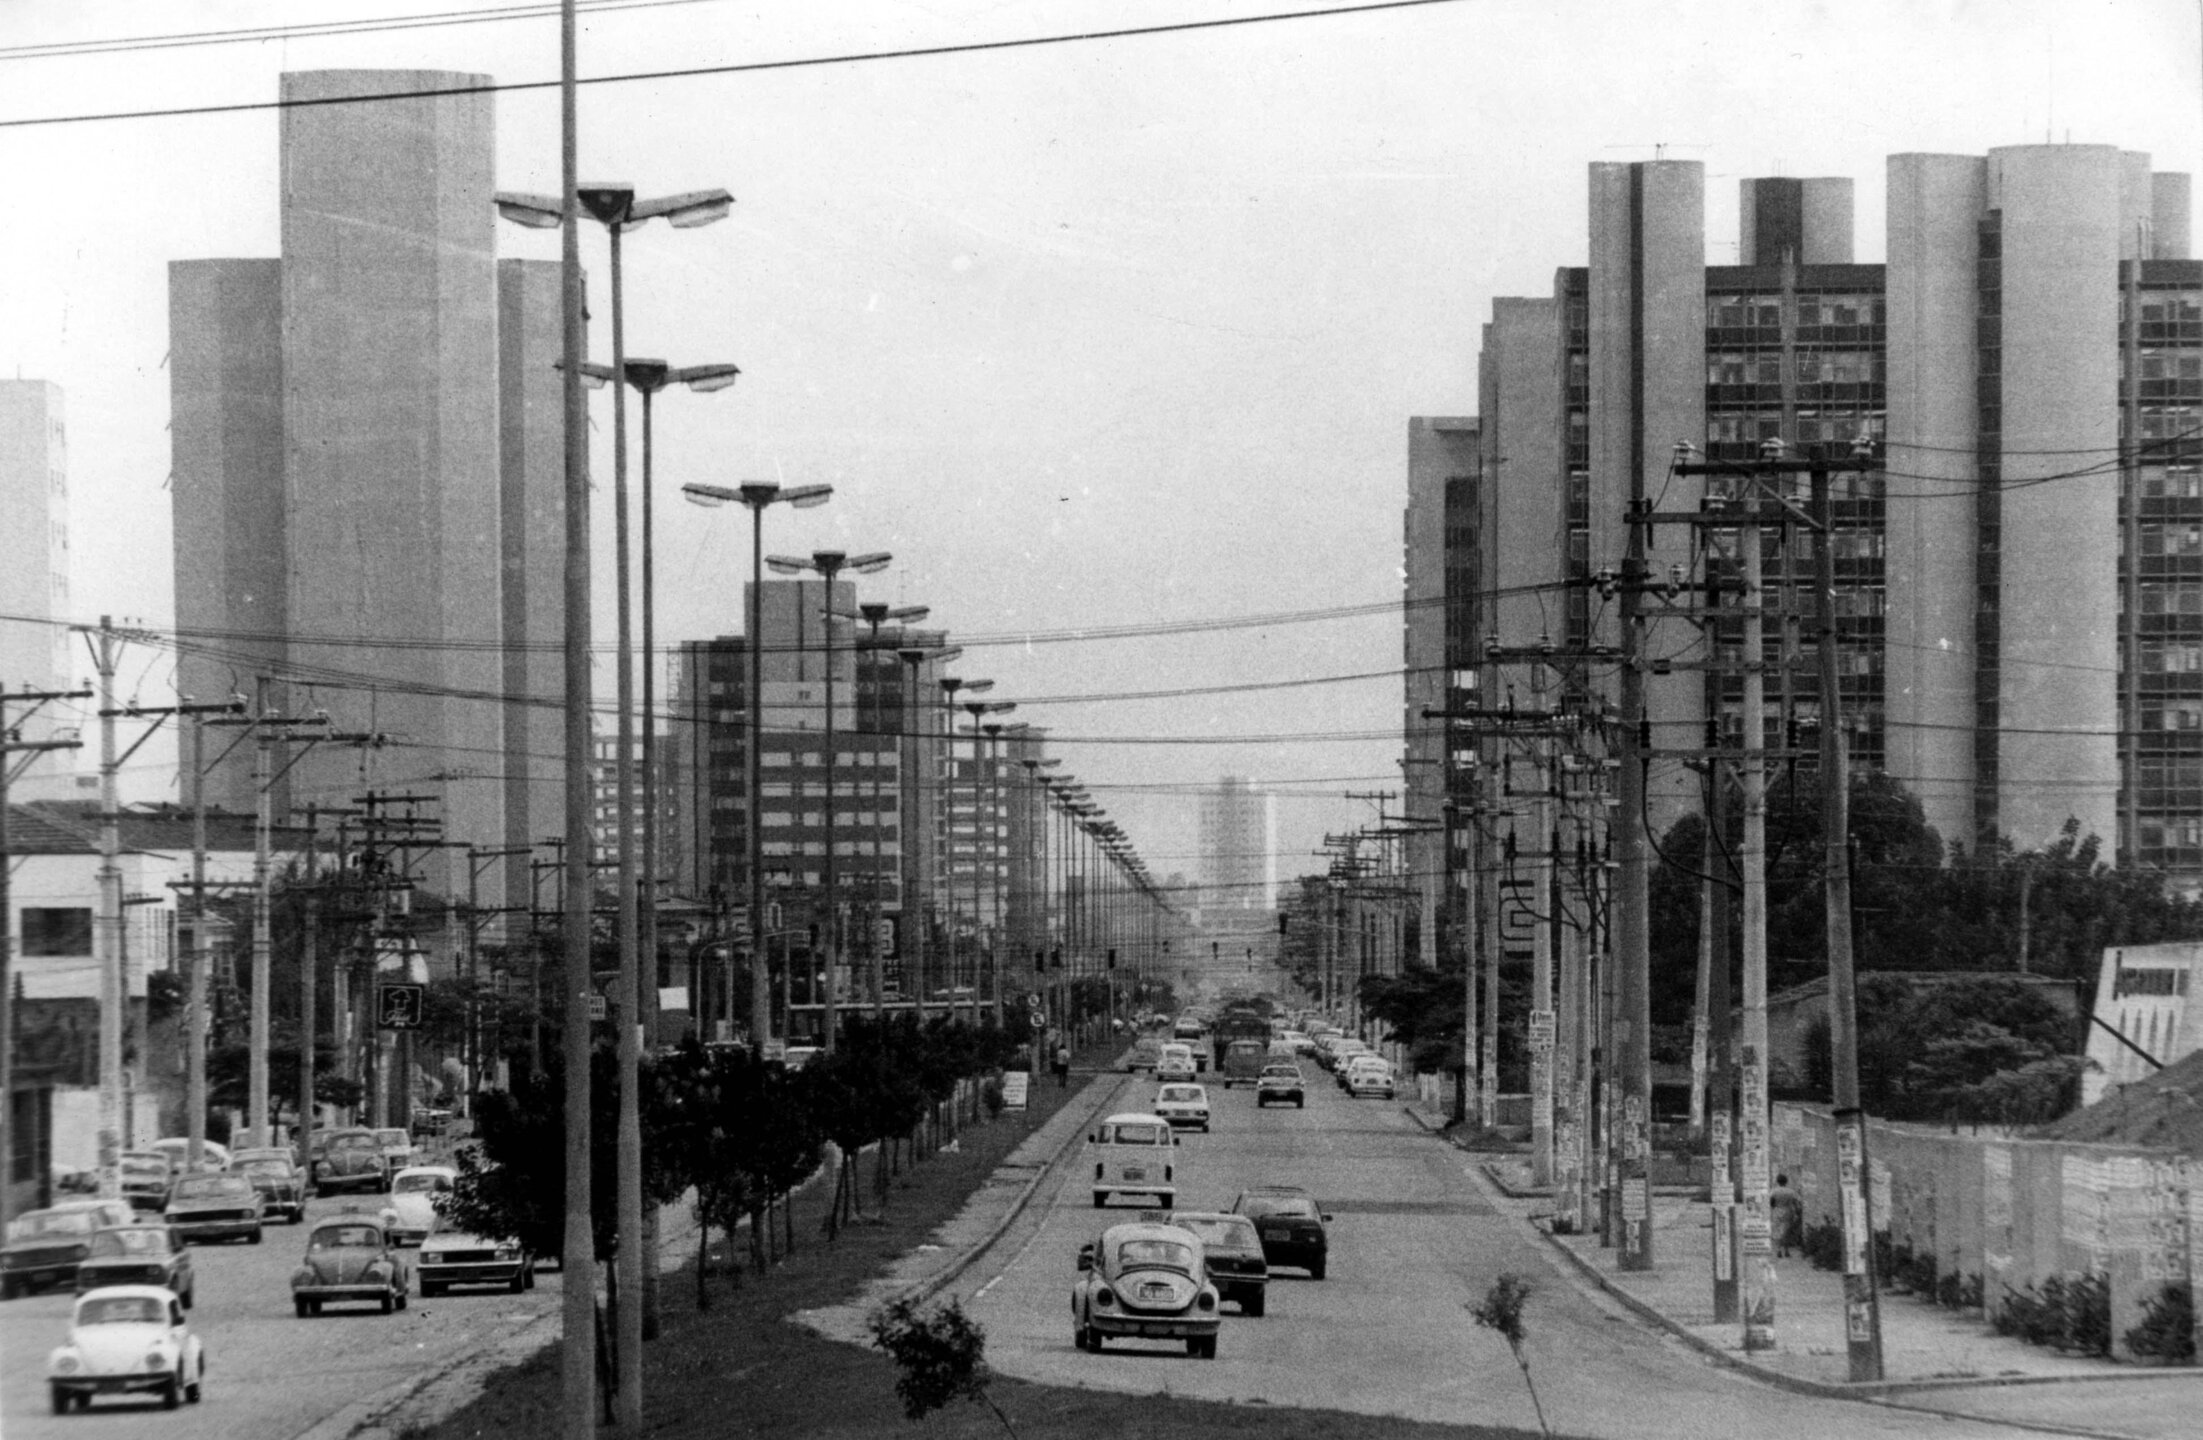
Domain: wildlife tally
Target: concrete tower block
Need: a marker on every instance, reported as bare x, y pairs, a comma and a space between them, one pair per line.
532, 554
1810, 219
2135, 200
390, 366
1527, 495
1828, 221
2171, 208
2059, 599
1935, 205
1648, 391
225, 379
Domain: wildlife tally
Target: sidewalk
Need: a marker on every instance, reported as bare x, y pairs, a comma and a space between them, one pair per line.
1930, 1355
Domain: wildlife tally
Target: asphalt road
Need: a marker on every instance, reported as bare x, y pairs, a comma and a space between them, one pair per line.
1415, 1241
270, 1375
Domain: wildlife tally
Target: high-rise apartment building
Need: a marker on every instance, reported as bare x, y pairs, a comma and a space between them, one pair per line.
2020, 586
368, 478
1440, 650
34, 567
1238, 847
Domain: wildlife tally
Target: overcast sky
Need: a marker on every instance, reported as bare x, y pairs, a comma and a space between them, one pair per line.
1115, 333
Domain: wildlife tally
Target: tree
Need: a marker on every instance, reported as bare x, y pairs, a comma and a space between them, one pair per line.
939, 1356
1978, 1049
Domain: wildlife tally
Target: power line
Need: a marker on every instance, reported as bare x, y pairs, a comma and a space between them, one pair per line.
854, 57
320, 29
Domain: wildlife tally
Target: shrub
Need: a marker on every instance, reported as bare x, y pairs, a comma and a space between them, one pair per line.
991, 1094
2167, 1331
1822, 1244
2087, 1315
939, 1355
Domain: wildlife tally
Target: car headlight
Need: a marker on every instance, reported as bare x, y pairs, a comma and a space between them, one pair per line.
1207, 1300
1105, 1296
508, 1252
430, 1257
65, 1365
156, 1360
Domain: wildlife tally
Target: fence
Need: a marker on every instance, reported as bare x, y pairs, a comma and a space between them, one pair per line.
2005, 1215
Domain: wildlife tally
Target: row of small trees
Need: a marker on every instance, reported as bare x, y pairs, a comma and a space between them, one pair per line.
734, 1134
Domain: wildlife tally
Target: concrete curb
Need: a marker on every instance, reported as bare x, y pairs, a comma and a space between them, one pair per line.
934, 1284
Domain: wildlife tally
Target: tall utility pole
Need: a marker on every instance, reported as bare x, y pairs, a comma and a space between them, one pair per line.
11, 744
1630, 1075
1862, 1307
1757, 1280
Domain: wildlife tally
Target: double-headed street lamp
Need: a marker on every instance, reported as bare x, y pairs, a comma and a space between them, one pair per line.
828, 564
757, 496
977, 709
917, 864
615, 207
951, 687
876, 613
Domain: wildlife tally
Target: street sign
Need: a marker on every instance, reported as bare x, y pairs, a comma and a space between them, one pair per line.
398, 1007
596, 1006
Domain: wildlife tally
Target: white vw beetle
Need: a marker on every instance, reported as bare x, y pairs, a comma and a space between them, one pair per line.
411, 1210
127, 1339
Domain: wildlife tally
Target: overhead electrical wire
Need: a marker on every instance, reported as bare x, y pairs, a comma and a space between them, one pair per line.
853, 57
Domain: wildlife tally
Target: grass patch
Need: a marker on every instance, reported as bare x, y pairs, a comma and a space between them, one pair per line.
739, 1369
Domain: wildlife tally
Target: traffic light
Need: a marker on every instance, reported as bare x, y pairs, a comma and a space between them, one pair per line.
1040, 962
1112, 959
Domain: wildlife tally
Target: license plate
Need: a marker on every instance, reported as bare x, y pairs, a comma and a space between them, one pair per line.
1134, 1172
1276, 1232
1155, 1329
1154, 1292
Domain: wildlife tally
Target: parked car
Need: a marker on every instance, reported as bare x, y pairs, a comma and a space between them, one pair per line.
146, 1176
1233, 1251
1278, 1083
350, 1159
349, 1258
127, 1340
1144, 1280
413, 1200
282, 1188
1367, 1075
1301, 1044
1290, 1224
45, 1247
455, 1257
138, 1254
1185, 1106
216, 1207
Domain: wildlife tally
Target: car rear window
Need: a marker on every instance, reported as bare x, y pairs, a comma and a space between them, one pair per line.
1287, 1205
1156, 1252
146, 1241
339, 1237
1231, 1232
1156, 1134
212, 1187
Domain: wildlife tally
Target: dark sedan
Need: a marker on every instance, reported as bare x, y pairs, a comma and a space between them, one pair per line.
1278, 1083
216, 1207
44, 1247
282, 1188
1290, 1224
138, 1255
348, 1160
1233, 1252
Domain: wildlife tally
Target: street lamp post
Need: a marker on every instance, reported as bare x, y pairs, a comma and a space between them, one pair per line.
976, 709
615, 207
876, 613
827, 564
917, 881
951, 686
756, 496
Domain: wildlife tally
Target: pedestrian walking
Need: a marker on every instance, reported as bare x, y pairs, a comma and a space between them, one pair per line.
1063, 1067
1786, 1211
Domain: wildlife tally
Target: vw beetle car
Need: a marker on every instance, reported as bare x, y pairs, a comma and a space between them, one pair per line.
349, 1159
127, 1340
139, 1254
413, 1201
454, 1257
1367, 1075
45, 1247
1147, 1281
349, 1258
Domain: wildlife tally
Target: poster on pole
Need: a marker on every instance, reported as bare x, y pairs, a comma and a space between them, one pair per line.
1016, 1085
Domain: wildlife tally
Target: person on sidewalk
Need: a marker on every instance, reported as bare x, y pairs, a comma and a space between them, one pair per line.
1063, 1067
1786, 1211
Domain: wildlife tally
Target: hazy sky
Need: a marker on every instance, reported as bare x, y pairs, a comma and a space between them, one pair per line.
1115, 333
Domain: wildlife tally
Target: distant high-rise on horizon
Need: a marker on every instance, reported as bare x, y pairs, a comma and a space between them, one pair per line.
1237, 849
367, 455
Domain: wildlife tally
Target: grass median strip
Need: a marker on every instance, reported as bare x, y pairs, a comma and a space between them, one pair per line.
740, 1369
